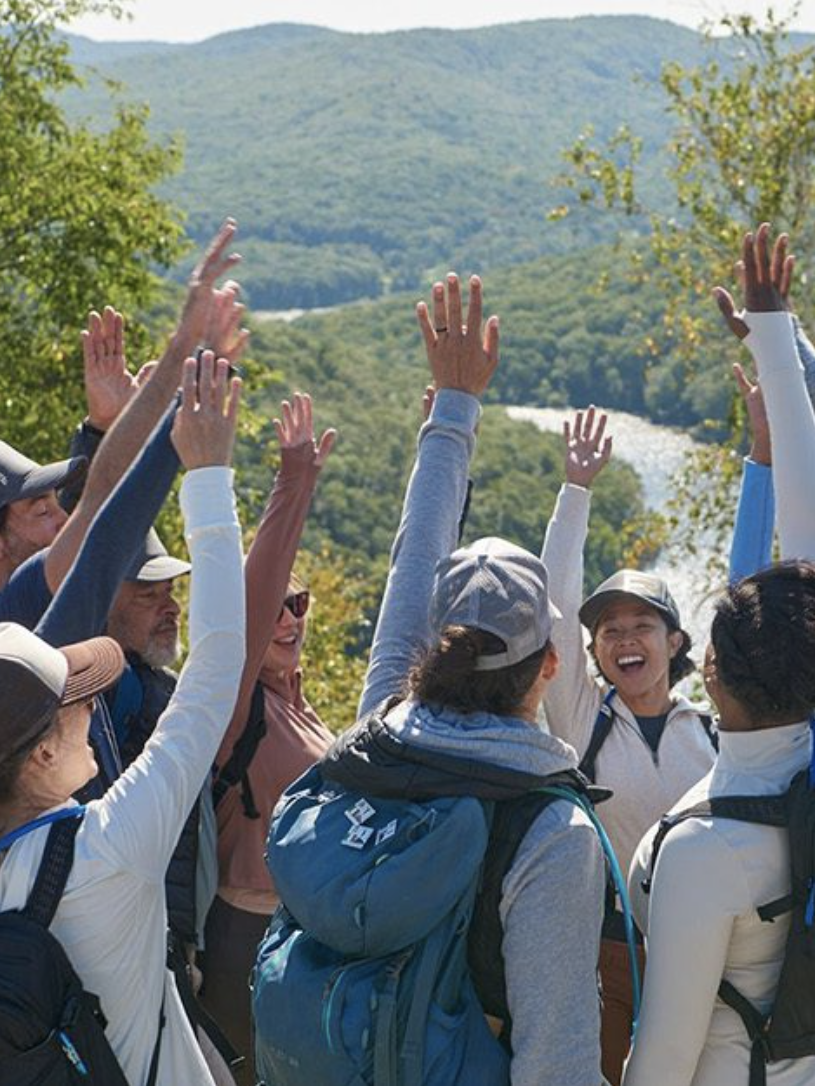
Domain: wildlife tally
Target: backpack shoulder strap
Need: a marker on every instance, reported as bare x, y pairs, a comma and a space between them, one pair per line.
152, 1075
600, 732
755, 1023
706, 720
763, 810
512, 820
235, 769
52, 875
126, 703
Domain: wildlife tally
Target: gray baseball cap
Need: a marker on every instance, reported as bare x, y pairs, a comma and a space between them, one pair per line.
36, 679
495, 586
631, 583
153, 563
22, 478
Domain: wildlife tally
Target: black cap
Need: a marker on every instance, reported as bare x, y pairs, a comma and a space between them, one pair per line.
631, 583
22, 478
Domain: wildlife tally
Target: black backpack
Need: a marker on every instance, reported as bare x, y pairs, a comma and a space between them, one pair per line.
788, 1031
236, 769
52, 1032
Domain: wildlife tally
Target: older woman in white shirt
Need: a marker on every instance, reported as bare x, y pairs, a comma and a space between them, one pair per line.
112, 918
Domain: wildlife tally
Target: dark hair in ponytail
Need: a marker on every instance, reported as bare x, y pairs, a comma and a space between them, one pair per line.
446, 675
763, 635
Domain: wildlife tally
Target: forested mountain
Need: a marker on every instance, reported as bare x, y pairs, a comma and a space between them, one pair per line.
362, 163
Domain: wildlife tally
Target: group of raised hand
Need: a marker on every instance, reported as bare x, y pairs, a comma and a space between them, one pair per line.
462, 352
765, 276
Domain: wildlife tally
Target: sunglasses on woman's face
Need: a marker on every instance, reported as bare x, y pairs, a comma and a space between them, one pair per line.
297, 603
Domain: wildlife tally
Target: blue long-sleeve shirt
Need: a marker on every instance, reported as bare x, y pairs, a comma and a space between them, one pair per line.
751, 549
80, 607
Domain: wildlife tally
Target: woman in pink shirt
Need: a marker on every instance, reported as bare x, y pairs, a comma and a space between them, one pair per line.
294, 737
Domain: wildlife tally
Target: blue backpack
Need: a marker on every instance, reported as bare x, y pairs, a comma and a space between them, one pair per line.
363, 975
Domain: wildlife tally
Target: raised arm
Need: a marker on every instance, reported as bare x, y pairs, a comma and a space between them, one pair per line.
135, 423
573, 697
768, 331
751, 548
146, 807
80, 607
462, 360
274, 548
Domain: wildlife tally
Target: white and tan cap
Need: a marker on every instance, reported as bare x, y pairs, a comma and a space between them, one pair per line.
494, 585
36, 679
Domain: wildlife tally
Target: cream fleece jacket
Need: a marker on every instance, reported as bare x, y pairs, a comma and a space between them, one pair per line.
645, 784
712, 874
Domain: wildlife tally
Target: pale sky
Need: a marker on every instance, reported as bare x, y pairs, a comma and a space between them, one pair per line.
193, 20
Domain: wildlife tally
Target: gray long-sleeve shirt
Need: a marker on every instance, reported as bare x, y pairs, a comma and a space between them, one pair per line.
552, 900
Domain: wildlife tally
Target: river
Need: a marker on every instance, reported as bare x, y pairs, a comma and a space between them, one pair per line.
656, 453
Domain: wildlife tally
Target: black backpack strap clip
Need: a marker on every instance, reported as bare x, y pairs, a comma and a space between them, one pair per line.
600, 732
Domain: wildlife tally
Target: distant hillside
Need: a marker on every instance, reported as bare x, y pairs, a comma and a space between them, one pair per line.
359, 164
564, 340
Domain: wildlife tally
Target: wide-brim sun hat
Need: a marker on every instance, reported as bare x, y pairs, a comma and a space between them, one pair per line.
37, 679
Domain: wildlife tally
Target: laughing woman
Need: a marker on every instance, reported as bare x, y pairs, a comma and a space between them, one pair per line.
291, 735
614, 702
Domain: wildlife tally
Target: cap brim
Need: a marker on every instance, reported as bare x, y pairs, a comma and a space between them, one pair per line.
594, 606
161, 568
93, 666
41, 480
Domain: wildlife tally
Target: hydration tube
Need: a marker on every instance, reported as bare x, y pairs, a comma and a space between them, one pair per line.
619, 884
44, 820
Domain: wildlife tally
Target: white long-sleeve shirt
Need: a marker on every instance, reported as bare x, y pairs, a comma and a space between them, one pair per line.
792, 428
702, 925
112, 918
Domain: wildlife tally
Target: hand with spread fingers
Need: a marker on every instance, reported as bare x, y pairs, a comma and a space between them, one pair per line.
588, 450
204, 426
461, 355
225, 336
295, 428
109, 385
765, 278
751, 394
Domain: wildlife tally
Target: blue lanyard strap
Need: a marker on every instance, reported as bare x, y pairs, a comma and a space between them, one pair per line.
44, 820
